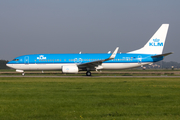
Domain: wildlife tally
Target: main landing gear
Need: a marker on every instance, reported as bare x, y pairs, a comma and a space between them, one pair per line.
88, 73
23, 74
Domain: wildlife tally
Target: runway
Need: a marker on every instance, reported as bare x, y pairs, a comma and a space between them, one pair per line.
105, 74
20, 76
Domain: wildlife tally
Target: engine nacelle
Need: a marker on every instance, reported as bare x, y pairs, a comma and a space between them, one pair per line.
70, 69
21, 71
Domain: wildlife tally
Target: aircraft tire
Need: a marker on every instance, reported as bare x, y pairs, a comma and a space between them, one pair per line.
88, 73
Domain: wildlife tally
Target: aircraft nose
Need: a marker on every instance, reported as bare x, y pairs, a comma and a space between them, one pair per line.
9, 65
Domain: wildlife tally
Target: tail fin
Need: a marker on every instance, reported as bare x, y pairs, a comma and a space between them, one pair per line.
156, 44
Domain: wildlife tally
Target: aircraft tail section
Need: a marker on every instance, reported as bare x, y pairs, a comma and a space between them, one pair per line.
156, 44
156, 56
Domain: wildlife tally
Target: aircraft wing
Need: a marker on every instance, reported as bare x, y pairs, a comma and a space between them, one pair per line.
94, 64
156, 56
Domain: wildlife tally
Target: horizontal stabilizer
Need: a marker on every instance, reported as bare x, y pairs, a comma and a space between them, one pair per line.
165, 54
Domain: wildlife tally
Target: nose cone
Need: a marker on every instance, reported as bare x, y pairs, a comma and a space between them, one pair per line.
9, 65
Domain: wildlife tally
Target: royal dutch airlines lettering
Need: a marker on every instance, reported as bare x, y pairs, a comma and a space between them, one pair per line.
151, 52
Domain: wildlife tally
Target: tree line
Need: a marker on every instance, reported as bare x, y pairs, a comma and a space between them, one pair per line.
167, 65
3, 64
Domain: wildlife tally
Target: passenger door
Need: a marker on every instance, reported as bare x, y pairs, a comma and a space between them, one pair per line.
26, 60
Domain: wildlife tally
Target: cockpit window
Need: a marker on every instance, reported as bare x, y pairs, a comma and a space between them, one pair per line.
16, 60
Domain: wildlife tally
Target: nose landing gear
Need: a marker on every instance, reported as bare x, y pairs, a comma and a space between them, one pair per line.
23, 74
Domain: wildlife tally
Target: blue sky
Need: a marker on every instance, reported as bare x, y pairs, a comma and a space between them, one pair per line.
96, 26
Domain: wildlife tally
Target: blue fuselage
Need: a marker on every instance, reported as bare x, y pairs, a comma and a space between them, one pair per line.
82, 58
56, 61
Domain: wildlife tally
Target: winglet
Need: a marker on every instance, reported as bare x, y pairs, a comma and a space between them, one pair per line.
114, 53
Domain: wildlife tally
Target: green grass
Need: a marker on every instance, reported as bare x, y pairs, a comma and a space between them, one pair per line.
89, 98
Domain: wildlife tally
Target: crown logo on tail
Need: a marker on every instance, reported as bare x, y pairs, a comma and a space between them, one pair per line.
156, 40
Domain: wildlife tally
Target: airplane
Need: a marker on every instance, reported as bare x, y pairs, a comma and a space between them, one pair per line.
73, 63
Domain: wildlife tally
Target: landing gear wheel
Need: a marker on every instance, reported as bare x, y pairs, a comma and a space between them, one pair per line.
23, 74
88, 73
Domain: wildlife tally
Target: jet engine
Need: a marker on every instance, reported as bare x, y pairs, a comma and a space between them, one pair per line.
70, 69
